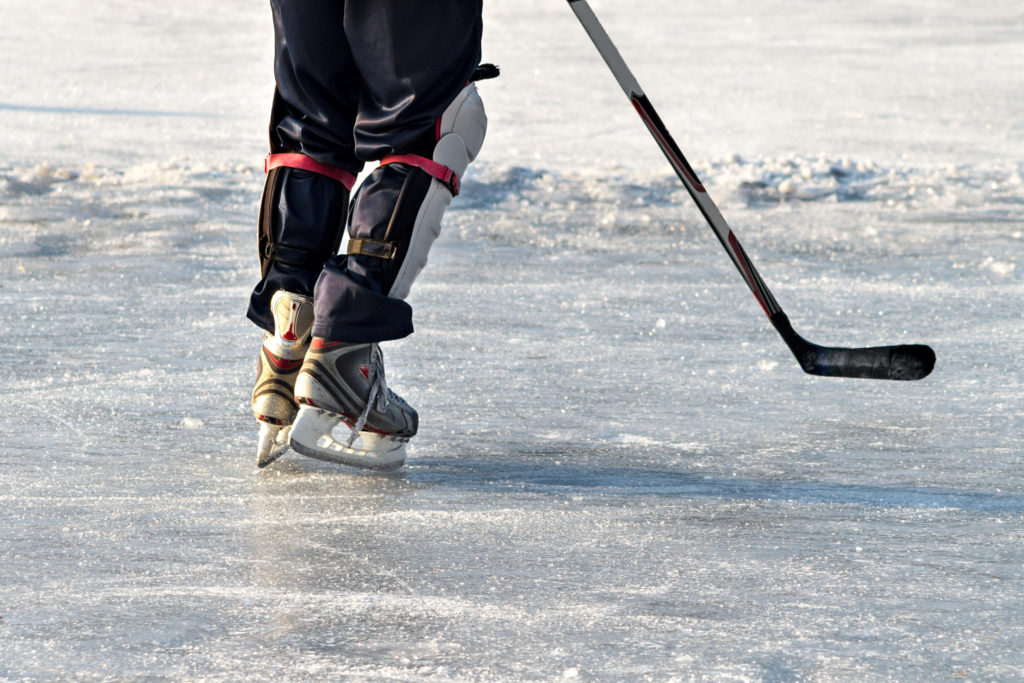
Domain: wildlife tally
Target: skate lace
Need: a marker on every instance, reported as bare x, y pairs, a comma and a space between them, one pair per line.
378, 388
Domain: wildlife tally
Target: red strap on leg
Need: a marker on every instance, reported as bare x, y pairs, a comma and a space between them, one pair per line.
301, 161
432, 168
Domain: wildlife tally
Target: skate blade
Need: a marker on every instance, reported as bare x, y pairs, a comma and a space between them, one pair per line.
311, 436
273, 443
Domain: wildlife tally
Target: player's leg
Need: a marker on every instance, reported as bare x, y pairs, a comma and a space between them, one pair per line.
422, 117
311, 170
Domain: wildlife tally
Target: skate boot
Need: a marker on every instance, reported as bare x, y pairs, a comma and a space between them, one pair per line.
344, 383
273, 398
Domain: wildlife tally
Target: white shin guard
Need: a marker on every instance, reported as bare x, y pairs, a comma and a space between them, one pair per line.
461, 134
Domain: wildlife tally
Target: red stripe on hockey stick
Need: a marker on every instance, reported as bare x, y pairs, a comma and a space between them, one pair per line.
747, 269
662, 138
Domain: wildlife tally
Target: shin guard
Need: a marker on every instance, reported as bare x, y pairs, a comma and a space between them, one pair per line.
302, 220
425, 190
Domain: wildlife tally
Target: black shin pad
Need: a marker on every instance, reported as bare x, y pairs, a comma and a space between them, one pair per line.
302, 219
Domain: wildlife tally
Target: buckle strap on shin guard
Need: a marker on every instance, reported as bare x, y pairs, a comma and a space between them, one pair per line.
301, 258
430, 167
362, 246
305, 163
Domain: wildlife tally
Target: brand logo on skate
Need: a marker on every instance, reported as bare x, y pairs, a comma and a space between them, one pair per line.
289, 334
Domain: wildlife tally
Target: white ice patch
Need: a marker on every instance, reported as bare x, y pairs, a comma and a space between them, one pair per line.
767, 181
140, 209
600, 209
1000, 268
637, 440
615, 209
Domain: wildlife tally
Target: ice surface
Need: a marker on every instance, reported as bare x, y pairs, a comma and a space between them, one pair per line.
621, 473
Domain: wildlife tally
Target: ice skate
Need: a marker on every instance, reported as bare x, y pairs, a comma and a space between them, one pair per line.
281, 354
344, 384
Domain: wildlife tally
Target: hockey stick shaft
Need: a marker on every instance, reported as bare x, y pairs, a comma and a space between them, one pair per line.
888, 362
629, 84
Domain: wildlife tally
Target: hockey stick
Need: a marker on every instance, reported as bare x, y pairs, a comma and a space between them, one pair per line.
903, 362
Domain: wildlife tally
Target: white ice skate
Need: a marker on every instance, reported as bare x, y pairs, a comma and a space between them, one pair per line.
344, 384
281, 354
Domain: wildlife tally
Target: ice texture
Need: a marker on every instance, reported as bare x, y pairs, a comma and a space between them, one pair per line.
621, 473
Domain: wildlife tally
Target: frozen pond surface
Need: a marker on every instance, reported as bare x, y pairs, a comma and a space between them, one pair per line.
621, 471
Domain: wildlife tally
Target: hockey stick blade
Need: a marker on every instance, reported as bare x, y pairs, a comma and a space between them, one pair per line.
902, 362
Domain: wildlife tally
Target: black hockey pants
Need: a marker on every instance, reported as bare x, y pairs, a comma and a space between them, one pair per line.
357, 80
